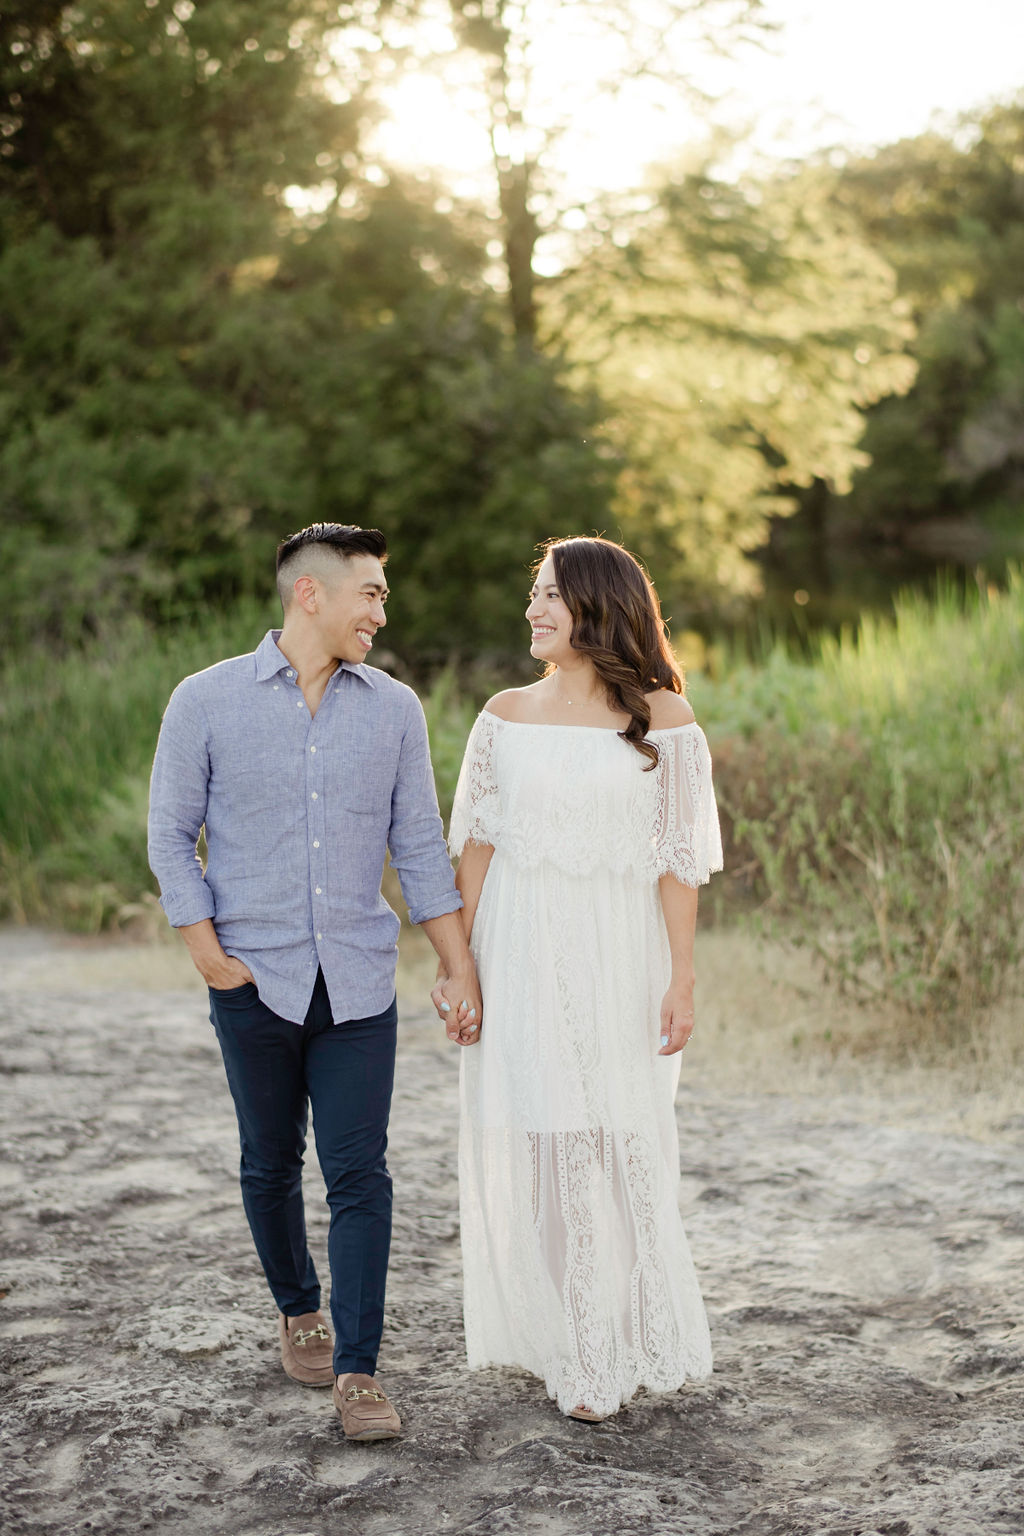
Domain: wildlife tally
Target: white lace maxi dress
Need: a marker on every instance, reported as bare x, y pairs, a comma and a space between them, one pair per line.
576, 1264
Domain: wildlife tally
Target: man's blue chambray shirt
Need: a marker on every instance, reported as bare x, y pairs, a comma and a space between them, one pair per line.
298, 811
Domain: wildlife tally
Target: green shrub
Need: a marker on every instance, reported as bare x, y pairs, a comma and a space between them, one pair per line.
875, 798
78, 733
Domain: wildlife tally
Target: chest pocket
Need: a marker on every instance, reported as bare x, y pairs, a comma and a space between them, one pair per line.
364, 744
367, 785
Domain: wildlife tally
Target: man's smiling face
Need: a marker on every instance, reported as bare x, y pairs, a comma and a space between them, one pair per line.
350, 607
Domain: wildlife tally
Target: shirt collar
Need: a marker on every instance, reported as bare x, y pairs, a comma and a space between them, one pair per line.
270, 660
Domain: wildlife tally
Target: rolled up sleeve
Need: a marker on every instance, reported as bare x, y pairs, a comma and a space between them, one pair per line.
178, 793
416, 839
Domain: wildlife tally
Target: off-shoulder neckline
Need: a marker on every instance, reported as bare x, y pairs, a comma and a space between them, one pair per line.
601, 730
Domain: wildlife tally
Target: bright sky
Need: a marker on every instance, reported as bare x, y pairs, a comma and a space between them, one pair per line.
838, 73
877, 71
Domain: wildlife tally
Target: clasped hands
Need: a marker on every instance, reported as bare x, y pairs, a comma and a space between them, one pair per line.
460, 1009
459, 1006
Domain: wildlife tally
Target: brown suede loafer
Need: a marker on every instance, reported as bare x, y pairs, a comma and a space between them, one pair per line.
307, 1349
364, 1409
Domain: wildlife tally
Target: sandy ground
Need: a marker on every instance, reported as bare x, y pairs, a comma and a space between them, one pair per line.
860, 1242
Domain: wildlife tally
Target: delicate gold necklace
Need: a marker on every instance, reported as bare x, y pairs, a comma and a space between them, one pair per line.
576, 703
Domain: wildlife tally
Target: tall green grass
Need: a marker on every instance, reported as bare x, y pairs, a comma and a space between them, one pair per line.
77, 735
875, 796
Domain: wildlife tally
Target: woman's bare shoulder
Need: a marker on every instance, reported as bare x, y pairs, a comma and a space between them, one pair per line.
668, 710
516, 704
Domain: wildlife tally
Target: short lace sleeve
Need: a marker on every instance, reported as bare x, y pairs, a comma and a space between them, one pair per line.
476, 812
687, 838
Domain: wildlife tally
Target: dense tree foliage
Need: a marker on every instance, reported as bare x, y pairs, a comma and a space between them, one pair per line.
513, 40
220, 320
737, 335
947, 213
190, 367
109, 104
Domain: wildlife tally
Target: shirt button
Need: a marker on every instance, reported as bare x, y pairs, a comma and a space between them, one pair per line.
289, 673
299, 704
312, 749
319, 892
319, 935
276, 687
314, 796
316, 842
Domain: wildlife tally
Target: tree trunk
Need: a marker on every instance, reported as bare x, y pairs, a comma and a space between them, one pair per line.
816, 507
520, 233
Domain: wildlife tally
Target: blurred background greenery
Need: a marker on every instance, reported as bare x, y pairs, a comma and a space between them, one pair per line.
792, 386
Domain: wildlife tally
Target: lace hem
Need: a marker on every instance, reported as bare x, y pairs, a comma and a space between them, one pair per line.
580, 801
687, 834
597, 1289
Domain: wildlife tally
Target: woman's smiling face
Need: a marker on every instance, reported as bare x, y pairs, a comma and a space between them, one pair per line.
549, 619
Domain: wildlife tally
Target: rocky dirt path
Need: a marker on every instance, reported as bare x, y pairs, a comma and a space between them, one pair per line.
864, 1282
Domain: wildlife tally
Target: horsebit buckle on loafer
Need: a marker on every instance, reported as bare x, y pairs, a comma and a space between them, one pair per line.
356, 1392
303, 1335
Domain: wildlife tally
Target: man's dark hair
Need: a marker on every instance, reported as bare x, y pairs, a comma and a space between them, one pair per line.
344, 538
320, 540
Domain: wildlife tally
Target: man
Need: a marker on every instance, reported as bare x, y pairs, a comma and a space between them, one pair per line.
304, 765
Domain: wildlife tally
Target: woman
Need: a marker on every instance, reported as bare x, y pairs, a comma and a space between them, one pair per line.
585, 820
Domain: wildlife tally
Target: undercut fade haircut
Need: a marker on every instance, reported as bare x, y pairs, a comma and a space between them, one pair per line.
313, 550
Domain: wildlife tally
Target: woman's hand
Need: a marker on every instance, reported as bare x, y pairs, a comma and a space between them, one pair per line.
459, 1007
676, 1018
456, 996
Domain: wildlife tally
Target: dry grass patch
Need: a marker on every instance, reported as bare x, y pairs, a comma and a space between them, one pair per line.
767, 1022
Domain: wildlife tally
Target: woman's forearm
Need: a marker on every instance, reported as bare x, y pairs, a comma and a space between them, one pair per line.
469, 880
679, 906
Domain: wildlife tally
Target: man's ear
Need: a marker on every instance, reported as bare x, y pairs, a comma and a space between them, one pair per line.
305, 590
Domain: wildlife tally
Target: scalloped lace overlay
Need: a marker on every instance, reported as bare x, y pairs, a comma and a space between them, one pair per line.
575, 1259
580, 798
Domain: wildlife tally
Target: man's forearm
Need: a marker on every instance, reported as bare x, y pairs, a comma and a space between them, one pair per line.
448, 936
178, 792
217, 969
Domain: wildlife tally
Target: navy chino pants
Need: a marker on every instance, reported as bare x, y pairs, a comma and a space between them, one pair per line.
275, 1070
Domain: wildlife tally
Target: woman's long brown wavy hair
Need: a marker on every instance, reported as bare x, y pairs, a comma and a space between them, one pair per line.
617, 623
